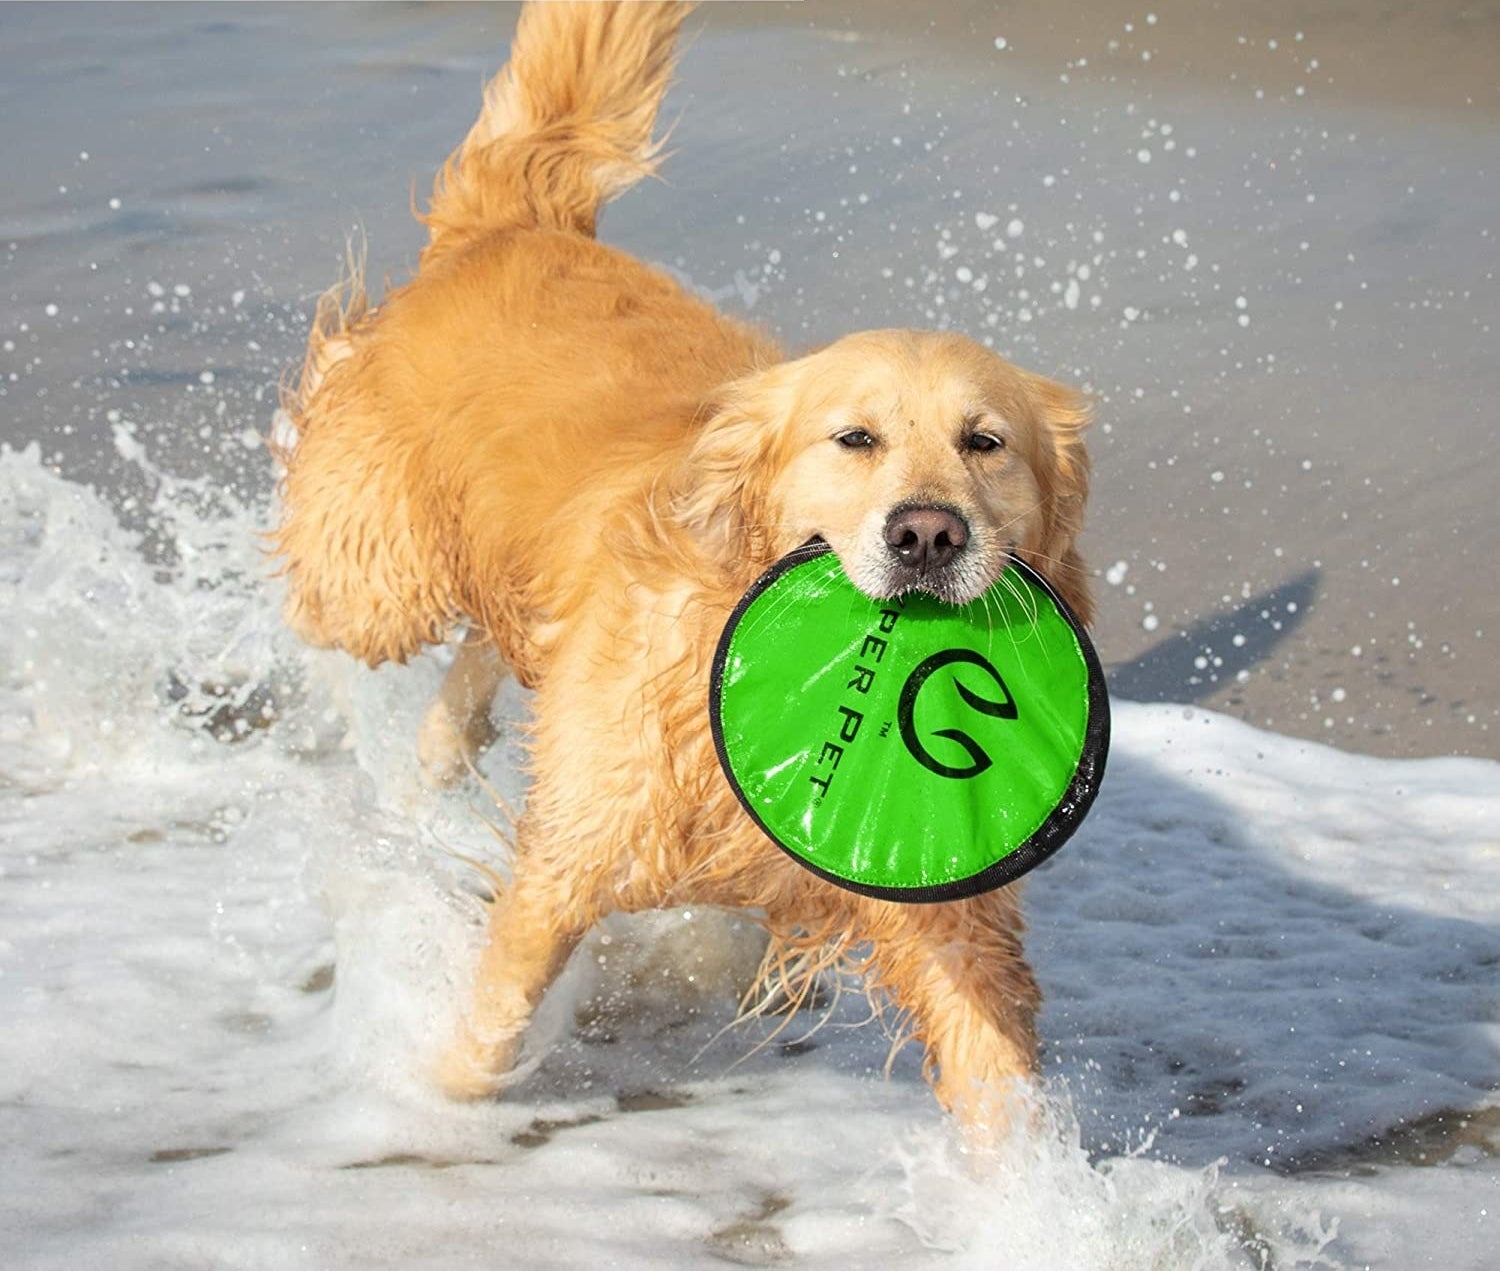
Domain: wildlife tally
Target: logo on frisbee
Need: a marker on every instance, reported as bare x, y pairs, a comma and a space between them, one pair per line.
979, 759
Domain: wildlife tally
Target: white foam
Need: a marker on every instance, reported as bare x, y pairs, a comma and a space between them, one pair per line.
230, 952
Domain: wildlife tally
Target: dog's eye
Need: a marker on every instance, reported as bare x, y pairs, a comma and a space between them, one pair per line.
855, 439
984, 442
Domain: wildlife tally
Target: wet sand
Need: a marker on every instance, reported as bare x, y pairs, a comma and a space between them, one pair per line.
1301, 506
1392, 54
1268, 248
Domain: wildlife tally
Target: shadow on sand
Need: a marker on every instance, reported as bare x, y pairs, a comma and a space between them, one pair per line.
1192, 664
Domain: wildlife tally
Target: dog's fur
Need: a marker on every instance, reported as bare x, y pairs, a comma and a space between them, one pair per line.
546, 440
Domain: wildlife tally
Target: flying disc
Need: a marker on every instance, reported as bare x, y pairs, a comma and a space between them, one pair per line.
908, 749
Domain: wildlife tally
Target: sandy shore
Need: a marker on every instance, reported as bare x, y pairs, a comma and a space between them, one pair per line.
1401, 54
1262, 236
1360, 607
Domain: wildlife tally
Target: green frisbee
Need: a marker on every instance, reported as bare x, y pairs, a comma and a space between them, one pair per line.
908, 749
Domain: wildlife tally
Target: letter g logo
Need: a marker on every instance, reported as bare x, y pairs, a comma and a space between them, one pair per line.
906, 711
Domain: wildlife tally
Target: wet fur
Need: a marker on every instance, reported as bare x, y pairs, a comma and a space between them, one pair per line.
543, 439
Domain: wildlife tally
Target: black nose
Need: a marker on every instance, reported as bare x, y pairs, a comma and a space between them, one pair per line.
925, 538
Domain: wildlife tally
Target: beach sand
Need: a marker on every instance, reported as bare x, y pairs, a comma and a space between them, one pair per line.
1261, 236
1407, 54
1302, 505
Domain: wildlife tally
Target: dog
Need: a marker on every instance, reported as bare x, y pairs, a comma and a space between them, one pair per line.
557, 446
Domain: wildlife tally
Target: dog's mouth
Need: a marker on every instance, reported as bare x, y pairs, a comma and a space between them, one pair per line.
931, 549
958, 583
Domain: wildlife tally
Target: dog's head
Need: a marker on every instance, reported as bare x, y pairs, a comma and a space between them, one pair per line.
923, 459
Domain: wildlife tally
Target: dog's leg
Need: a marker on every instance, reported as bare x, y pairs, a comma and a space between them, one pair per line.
959, 969
457, 727
528, 941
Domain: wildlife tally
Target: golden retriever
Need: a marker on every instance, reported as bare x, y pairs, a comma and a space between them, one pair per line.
547, 441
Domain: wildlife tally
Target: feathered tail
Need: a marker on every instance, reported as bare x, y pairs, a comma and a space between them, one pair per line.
566, 125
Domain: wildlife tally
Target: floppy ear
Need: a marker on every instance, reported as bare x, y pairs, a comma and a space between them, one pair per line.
722, 492
1064, 414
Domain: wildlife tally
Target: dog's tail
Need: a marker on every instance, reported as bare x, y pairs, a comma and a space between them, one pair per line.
566, 125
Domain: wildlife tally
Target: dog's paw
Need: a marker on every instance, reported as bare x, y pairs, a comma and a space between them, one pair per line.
461, 1079
471, 1070
447, 748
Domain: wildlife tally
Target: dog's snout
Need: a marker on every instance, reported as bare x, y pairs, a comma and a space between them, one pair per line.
925, 538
